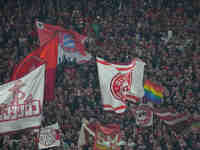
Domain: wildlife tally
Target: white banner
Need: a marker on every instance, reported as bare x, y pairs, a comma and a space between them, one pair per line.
49, 137
21, 102
119, 83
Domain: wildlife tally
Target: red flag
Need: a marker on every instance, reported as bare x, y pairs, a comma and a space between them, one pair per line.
26, 66
107, 137
48, 54
46, 31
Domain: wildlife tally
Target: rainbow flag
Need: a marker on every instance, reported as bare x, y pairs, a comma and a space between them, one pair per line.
153, 92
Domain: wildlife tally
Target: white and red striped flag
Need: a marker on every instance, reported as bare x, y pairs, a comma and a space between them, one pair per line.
119, 83
171, 117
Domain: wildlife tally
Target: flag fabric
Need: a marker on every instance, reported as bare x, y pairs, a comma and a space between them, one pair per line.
21, 102
153, 92
171, 117
71, 43
67, 49
119, 83
26, 66
107, 137
144, 115
82, 137
46, 32
86, 130
47, 53
49, 137
168, 116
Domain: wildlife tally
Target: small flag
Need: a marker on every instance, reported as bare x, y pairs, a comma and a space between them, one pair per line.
49, 137
171, 117
153, 92
144, 115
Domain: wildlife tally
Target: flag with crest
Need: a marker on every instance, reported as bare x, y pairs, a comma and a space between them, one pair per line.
71, 44
119, 83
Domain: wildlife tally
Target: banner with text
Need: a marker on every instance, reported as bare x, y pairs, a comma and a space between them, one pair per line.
21, 102
49, 137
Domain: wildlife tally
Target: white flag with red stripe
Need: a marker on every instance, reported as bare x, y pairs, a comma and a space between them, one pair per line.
171, 117
168, 116
119, 83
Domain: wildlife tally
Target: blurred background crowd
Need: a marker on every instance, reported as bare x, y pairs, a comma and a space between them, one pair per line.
163, 33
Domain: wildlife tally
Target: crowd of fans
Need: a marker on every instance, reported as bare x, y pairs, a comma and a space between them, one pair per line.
163, 33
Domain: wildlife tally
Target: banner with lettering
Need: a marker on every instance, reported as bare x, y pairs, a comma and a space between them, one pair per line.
49, 137
21, 102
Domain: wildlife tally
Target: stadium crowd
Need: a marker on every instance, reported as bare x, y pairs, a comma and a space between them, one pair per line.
163, 33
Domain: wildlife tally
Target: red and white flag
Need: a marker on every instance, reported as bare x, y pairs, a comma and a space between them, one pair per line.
171, 117
49, 137
107, 137
119, 83
71, 43
27, 65
46, 54
21, 102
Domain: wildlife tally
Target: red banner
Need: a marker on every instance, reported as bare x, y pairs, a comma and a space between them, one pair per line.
46, 54
107, 137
